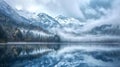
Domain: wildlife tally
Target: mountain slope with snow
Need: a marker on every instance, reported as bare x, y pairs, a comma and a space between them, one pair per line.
106, 26
17, 28
45, 21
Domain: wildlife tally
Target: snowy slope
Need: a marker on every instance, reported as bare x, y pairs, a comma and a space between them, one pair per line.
6, 9
69, 24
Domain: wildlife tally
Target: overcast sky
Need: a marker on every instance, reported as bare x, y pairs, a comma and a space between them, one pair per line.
82, 9
93, 12
51, 7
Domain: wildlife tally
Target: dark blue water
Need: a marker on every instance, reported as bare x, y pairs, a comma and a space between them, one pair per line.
74, 55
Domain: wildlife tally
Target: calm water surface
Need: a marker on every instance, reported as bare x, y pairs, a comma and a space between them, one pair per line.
60, 55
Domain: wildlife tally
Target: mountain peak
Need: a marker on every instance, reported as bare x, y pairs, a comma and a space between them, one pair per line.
42, 15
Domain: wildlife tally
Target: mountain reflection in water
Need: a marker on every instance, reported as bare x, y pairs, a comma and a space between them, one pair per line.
61, 55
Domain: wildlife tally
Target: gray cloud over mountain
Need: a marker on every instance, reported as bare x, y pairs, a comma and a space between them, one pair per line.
55, 7
82, 9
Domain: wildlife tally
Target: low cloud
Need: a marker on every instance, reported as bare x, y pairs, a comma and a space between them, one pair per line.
92, 11
52, 7
112, 17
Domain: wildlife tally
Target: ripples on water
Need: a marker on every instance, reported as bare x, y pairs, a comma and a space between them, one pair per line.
76, 55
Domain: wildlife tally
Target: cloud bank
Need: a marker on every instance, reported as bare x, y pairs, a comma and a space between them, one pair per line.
72, 8
91, 11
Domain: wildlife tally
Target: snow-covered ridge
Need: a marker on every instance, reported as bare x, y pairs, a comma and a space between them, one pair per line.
69, 27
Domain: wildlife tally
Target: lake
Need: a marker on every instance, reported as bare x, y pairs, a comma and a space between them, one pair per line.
60, 54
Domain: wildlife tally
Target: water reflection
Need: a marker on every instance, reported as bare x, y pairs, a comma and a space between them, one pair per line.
61, 55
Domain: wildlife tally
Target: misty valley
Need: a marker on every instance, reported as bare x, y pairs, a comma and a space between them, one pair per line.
59, 33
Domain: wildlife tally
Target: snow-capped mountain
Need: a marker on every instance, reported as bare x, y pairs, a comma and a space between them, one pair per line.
8, 11
45, 21
67, 21
14, 27
47, 26
59, 23
70, 25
